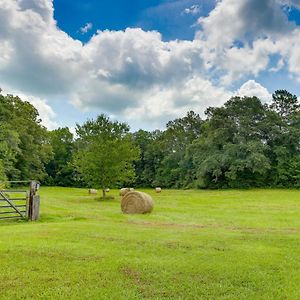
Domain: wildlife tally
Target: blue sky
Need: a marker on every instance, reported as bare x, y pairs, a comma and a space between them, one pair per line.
145, 62
167, 17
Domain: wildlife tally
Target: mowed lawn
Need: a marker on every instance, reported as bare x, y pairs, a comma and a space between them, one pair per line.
195, 245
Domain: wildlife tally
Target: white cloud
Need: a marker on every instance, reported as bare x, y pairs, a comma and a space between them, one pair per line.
45, 111
243, 47
86, 28
192, 10
136, 75
252, 88
163, 104
290, 3
249, 60
278, 67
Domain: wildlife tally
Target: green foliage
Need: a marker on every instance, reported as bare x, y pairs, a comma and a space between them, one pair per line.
24, 148
176, 168
104, 153
243, 143
231, 152
2, 171
59, 169
147, 166
285, 104
164, 160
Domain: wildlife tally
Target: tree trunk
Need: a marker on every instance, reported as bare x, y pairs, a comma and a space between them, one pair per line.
103, 193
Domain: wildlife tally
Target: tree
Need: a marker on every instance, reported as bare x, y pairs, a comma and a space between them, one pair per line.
231, 151
285, 104
104, 153
59, 169
283, 125
24, 148
176, 168
151, 155
164, 160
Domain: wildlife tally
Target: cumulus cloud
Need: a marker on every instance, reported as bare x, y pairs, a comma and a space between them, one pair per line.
45, 111
252, 88
252, 19
290, 3
136, 74
243, 47
40, 58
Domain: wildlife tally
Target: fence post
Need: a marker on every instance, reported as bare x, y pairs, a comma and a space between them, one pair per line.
34, 202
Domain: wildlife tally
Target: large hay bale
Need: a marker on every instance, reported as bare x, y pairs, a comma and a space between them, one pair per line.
123, 191
136, 203
93, 191
158, 190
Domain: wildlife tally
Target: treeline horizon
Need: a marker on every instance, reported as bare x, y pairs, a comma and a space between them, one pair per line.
244, 143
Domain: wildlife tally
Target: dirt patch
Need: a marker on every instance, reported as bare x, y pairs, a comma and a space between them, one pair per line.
134, 275
137, 279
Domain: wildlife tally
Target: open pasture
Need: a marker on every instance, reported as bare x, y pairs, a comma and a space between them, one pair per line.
235, 244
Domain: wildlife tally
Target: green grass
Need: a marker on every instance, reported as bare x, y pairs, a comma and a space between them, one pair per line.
195, 245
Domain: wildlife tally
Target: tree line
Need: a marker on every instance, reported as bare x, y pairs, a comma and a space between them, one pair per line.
243, 143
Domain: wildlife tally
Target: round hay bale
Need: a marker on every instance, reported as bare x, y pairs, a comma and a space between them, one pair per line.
93, 191
107, 190
123, 191
131, 189
137, 203
158, 190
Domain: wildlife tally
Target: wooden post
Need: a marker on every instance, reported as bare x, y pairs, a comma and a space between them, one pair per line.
35, 208
34, 202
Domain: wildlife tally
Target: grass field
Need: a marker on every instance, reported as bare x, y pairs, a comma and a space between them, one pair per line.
195, 245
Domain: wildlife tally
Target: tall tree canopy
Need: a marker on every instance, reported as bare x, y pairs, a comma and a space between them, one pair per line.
59, 169
231, 152
243, 143
24, 146
105, 153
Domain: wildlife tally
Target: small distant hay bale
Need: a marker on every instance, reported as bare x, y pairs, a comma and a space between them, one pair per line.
158, 189
93, 191
107, 190
131, 189
124, 191
136, 203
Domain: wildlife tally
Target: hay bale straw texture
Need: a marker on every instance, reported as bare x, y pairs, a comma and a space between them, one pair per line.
93, 191
124, 191
137, 203
158, 190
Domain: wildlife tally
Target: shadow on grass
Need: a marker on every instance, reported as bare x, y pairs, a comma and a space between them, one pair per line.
13, 222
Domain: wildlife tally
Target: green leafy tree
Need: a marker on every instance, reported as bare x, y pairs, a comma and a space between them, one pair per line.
176, 168
24, 148
105, 153
285, 104
231, 151
59, 169
151, 155
283, 133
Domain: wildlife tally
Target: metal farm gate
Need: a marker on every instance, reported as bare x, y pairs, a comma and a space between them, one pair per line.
19, 203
